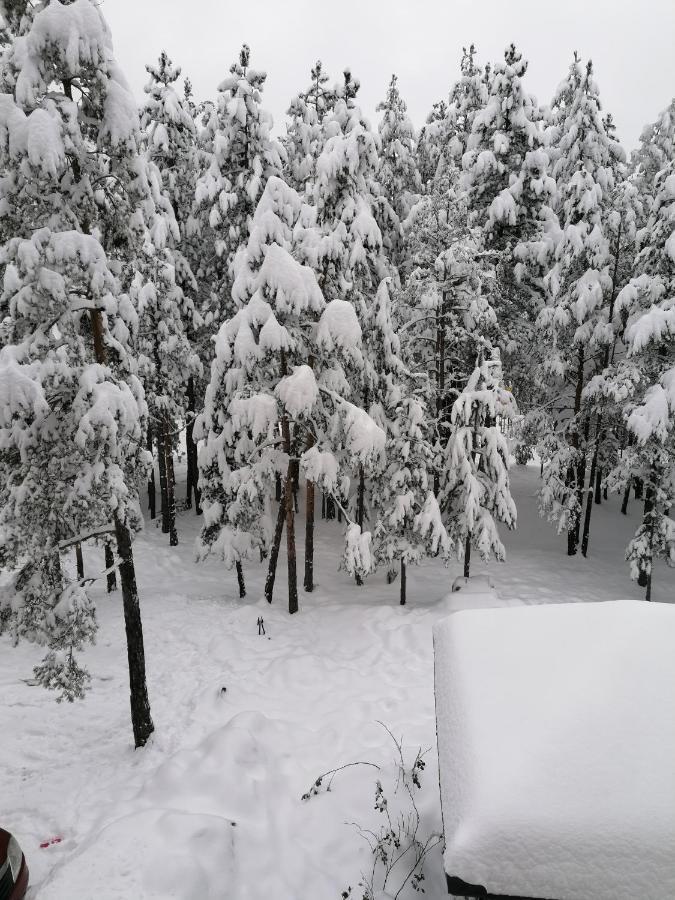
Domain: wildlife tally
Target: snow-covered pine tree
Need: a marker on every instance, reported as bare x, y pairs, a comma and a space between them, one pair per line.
653, 155
69, 145
647, 303
575, 251
304, 131
165, 288
242, 155
397, 174
408, 523
475, 494
345, 246
278, 379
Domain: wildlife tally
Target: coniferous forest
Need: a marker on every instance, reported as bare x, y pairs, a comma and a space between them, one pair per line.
319, 366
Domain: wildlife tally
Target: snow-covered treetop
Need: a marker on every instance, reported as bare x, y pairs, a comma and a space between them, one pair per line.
69, 128
397, 174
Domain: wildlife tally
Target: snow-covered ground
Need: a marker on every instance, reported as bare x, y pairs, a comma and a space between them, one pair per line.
211, 808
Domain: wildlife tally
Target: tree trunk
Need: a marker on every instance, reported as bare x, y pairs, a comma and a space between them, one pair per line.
589, 500
581, 480
638, 484
170, 483
111, 579
360, 511
626, 498
161, 461
573, 529
277, 488
309, 537
467, 555
330, 507
274, 554
79, 562
240, 579
323, 504
151, 477
598, 486
141, 719
191, 447
648, 520
403, 583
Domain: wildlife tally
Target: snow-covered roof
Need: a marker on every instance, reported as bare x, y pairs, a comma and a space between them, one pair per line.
556, 742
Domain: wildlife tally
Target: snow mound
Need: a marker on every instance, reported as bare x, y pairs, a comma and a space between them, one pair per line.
152, 855
200, 823
556, 736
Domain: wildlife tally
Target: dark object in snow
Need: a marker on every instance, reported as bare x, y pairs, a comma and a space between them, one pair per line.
223, 690
261, 625
459, 888
13, 868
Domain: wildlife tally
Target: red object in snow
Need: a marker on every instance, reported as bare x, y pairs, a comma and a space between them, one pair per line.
13, 868
54, 840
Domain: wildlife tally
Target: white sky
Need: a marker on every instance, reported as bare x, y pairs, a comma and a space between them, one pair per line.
630, 42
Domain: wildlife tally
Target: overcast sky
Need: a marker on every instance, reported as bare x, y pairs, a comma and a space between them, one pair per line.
630, 42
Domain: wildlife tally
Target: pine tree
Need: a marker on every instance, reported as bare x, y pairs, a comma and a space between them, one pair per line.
575, 250
304, 131
646, 304
69, 141
397, 173
278, 377
475, 494
165, 290
242, 156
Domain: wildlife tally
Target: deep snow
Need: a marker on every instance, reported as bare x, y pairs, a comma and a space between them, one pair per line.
305, 697
556, 734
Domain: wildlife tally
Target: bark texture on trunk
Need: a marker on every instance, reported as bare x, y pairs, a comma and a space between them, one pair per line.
467, 556
170, 484
403, 583
141, 720
309, 537
360, 511
151, 478
274, 553
161, 462
240, 580
111, 578
191, 448
79, 562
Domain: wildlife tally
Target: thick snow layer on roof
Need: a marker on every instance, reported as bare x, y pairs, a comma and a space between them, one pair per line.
556, 741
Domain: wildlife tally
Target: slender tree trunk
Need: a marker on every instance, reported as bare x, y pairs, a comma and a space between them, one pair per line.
638, 484
79, 562
309, 537
111, 578
141, 719
191, 448
289, 502
648, 520
467, 556
240, 579
274, 554
161, 461
573, 530
589, 499
151, 477
170, 484
360, 511
403, 583
598, 486
330, 507
626, 498
581, 479
277, 488
323, 504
